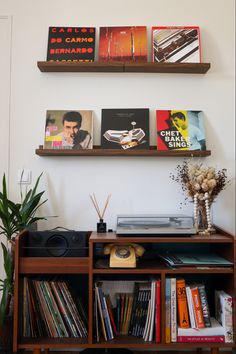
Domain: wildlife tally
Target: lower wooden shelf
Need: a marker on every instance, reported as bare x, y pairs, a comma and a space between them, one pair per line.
98, 151
119, 342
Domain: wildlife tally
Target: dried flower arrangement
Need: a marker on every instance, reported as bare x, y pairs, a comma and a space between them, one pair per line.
202, 184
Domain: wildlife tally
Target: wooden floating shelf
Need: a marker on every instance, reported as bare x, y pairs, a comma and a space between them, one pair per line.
97, 151
178, 68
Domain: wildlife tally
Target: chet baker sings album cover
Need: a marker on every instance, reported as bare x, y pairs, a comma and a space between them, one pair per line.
180, 130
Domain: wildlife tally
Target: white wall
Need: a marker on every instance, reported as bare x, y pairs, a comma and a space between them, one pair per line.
139, 184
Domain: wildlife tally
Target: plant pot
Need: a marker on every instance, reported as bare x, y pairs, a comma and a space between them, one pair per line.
6, 336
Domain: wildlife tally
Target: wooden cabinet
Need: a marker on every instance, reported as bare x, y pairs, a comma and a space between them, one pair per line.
221, 277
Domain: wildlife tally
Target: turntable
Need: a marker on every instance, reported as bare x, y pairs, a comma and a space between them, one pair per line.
155, 225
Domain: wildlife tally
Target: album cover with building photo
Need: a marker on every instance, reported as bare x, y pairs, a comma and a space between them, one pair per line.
65, 129
180, 130
176, 44
125, 128
123, 44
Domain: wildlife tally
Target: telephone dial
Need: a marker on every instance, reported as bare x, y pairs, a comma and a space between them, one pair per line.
123, 255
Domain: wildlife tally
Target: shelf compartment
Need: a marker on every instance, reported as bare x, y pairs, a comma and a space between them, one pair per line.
178, 68
44, 265
98, 151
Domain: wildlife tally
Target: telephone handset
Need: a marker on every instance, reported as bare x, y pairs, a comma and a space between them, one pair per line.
123, 255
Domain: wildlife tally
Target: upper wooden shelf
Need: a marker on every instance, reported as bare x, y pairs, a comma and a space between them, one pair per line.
178, 68
97, 151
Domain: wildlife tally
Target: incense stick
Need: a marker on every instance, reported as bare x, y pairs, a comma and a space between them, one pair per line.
96, 206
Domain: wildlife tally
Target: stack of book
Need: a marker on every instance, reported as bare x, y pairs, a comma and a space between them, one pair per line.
49, 310
188, 317
135, 311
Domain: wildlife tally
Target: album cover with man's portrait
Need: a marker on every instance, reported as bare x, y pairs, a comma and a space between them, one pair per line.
175, 44
125, 128
69, 129
180, 130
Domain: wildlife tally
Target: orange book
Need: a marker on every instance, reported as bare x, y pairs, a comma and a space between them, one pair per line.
182, 303
197, 307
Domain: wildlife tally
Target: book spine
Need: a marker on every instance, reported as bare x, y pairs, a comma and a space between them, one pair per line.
190, 307
201, 339
111, 315
205, 307
227, 322
197, 308
101, 313
182, 303
173, 312
158, 311
105, 314
168, 311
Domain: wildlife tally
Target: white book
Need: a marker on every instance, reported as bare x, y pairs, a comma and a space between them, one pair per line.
153, 307
190, 307
224, 313
216, 329
173, 310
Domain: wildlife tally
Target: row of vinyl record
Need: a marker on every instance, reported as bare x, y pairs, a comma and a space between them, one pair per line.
134, 311
124, 43
49, 310
125, 128
187, 317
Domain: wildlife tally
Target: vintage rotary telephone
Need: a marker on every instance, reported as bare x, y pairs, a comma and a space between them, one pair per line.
123, 255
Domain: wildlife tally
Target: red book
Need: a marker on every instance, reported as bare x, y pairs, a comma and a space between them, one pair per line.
200, 339
158, 311
110, 312
197, 308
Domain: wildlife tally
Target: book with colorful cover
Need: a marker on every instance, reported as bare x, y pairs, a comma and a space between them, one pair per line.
173, 310
123, 44
69, 129
74, 44
168, 310
224, 313
176, 44
201, 339
125, 128
182, 303
205, 306
180, 130
197, 307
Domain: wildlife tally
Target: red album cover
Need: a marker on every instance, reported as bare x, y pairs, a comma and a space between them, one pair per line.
123, 44
180, 130
75, 44
176, 44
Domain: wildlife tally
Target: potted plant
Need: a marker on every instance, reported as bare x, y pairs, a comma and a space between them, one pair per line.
14, 217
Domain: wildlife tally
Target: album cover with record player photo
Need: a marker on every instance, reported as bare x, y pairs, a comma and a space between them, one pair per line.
125, 128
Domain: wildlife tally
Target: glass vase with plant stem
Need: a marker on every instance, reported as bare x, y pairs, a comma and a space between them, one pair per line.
202, 184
